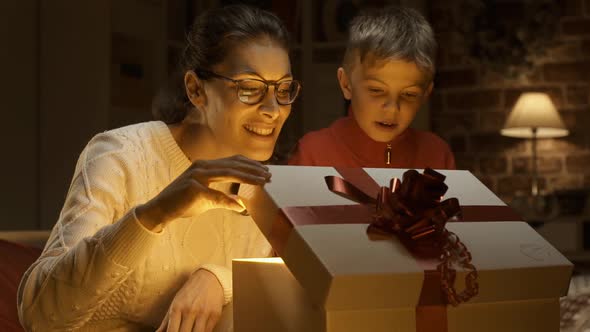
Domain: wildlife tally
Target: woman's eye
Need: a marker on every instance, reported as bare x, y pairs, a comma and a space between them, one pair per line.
246, 91
250, 88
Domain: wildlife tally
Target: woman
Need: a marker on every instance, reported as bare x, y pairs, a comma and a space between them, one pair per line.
149, 227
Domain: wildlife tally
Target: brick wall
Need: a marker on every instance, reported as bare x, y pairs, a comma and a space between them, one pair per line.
471, 100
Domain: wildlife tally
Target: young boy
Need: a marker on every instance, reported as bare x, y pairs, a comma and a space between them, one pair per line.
387, 75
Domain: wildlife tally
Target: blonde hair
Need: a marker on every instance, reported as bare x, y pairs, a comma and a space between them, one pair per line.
392, 33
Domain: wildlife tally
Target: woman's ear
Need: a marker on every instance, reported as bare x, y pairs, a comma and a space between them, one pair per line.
344, 82
195, 89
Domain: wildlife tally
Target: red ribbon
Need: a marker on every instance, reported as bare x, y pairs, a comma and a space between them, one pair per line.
412, 210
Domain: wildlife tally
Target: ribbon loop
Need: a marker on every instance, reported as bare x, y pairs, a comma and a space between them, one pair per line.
347, 190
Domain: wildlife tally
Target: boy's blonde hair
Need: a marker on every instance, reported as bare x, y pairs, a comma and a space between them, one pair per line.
392, 33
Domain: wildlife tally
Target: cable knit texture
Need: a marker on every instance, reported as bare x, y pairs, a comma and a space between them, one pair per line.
101, 269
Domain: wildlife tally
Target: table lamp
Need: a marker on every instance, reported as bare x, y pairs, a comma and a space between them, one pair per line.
534, 116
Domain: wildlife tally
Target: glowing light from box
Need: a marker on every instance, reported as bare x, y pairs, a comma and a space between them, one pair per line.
266, 260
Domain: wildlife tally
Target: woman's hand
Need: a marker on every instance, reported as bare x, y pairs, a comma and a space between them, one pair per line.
197, 305
190, 194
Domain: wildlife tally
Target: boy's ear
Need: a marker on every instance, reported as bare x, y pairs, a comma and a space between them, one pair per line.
195, 89
429, 89
344, 82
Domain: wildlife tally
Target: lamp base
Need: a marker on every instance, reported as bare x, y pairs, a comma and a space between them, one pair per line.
540, 208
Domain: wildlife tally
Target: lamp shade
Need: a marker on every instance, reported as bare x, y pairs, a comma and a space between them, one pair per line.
534, 110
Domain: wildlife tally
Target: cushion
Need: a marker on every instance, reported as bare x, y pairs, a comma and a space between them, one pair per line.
15, 259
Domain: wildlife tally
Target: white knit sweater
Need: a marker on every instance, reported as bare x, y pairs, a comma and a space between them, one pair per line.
101, 269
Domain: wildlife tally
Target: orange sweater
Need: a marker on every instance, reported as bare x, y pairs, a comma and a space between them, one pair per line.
345, 144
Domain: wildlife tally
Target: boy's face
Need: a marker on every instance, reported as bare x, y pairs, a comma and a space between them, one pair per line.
385, 95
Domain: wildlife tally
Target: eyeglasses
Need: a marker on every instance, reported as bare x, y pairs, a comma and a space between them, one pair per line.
251, 91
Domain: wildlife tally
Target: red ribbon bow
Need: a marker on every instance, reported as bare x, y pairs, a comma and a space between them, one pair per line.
413, 211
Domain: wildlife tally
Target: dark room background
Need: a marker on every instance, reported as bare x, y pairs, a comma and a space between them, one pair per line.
71, 69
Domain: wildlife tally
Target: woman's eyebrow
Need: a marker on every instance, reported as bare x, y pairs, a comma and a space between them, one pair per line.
253, 73
247, 72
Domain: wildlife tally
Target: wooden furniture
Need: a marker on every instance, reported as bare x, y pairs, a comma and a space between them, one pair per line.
563, 219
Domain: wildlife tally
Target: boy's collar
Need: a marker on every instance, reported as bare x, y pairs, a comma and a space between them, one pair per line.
363, 146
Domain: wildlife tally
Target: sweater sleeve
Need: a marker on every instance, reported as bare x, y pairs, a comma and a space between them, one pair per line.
95, 245
224, 276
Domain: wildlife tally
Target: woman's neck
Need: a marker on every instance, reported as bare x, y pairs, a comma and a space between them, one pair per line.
196, 141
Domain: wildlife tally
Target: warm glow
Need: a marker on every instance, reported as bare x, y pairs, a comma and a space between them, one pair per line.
267, 260
238, 200
534, 110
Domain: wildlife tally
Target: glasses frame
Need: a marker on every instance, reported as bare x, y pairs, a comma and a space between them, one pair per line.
266, 83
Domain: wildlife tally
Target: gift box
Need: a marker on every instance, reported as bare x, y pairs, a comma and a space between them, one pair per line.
333, 276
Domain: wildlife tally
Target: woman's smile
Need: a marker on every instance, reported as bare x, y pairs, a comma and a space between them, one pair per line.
259, 130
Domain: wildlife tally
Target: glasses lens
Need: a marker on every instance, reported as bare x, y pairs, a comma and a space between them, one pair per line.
286, 92
251, 91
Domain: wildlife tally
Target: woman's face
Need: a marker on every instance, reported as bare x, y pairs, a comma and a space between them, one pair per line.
239, 128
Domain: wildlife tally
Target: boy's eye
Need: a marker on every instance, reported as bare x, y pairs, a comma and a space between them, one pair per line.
411, 95
376, 90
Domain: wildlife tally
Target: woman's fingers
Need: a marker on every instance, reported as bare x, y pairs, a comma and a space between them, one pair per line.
234, 161
190, 194
200, 323
244, 165
207, 176
247, 160
188, 321
219, 199
164, 324
174, 321
211, 323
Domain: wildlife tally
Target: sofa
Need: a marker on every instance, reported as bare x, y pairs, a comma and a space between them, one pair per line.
18, 250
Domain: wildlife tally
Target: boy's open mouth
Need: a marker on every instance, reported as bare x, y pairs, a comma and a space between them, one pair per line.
388, 125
